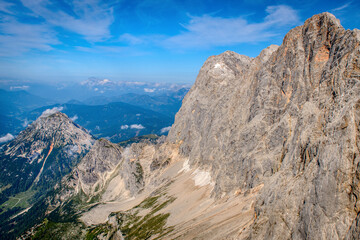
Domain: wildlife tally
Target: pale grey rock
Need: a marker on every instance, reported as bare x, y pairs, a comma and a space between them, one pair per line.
288, 119
41, 154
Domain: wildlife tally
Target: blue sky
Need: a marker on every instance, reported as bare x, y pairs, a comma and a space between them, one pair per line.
148, 40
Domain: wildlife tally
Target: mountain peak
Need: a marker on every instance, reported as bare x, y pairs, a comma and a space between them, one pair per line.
323, 19
45, 151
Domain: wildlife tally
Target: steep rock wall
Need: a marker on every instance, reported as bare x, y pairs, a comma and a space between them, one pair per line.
288, 119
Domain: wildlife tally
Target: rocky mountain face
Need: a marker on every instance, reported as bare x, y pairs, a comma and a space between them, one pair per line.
288, 120
262, 148
37, 159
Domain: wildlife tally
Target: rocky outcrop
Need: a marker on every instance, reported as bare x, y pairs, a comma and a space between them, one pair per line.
107, 173
44, 152
32, 164
287, 119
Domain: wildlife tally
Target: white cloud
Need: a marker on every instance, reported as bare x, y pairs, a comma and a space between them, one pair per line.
165, 129
24, 87
149, 90
74, 118
17, 38
91, 18
25, 123
5, 7
6, 138
49, 111
136, 126
131, 39
123, 127
138, 114
341, 7
105, 81
207, 31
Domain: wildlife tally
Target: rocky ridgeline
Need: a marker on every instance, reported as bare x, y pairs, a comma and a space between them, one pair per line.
288, 119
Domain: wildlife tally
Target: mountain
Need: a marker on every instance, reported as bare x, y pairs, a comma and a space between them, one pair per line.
166, 104
9, 125
36, 160
262, 148
92, 87
13, 104
116, 121
286, 122
16, 102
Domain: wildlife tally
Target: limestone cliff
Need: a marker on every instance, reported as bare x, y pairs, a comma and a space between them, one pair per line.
288, 119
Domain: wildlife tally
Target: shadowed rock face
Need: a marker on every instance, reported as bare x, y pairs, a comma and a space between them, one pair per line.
288, 119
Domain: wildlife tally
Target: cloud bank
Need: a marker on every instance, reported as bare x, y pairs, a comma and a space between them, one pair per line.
6, 138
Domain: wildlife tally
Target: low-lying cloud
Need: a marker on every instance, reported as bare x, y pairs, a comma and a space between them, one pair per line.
25, 123
74, 118
149, 90
49, 111
124, 127
165, 129
6, 138
137, 126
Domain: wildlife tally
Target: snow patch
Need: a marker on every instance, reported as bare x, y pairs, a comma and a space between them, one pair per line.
6, 138
186, 167
202, 178
217, 65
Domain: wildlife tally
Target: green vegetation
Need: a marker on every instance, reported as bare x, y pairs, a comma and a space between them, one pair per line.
53, 230
20, 200
150, 137
97, 231
134, 226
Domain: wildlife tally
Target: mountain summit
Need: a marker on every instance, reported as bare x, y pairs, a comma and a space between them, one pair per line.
39, 157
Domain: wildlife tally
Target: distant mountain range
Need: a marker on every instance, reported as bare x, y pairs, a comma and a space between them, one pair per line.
116, 117
92, 87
